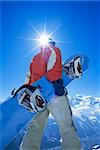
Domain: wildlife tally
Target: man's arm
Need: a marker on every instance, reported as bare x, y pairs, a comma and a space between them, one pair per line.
27, 78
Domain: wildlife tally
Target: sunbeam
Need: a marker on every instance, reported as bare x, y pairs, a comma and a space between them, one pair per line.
42, 37
34, 28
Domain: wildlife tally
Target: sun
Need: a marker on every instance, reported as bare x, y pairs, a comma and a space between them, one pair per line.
42, 37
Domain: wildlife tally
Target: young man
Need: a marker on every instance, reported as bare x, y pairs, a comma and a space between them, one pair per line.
48, 63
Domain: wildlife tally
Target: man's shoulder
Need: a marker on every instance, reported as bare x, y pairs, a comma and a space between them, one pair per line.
57, 48
36, 56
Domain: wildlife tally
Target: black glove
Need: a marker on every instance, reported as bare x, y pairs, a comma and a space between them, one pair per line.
59, 87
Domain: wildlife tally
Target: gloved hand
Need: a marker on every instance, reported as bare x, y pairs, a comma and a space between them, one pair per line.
59, 87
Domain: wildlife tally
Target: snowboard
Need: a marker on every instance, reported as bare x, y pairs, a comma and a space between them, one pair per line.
96, 147
16, 114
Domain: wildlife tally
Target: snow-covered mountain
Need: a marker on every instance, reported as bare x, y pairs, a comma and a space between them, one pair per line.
86, 112
86, 116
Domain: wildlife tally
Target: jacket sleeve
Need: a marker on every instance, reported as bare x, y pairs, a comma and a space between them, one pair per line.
28, 75
27, 78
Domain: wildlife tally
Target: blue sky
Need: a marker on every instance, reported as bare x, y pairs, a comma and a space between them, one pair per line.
78, 25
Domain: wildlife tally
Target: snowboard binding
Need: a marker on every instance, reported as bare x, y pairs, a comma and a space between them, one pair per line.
74, 68
30, 98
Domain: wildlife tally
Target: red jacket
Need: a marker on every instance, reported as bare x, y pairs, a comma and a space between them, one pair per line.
47, 63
